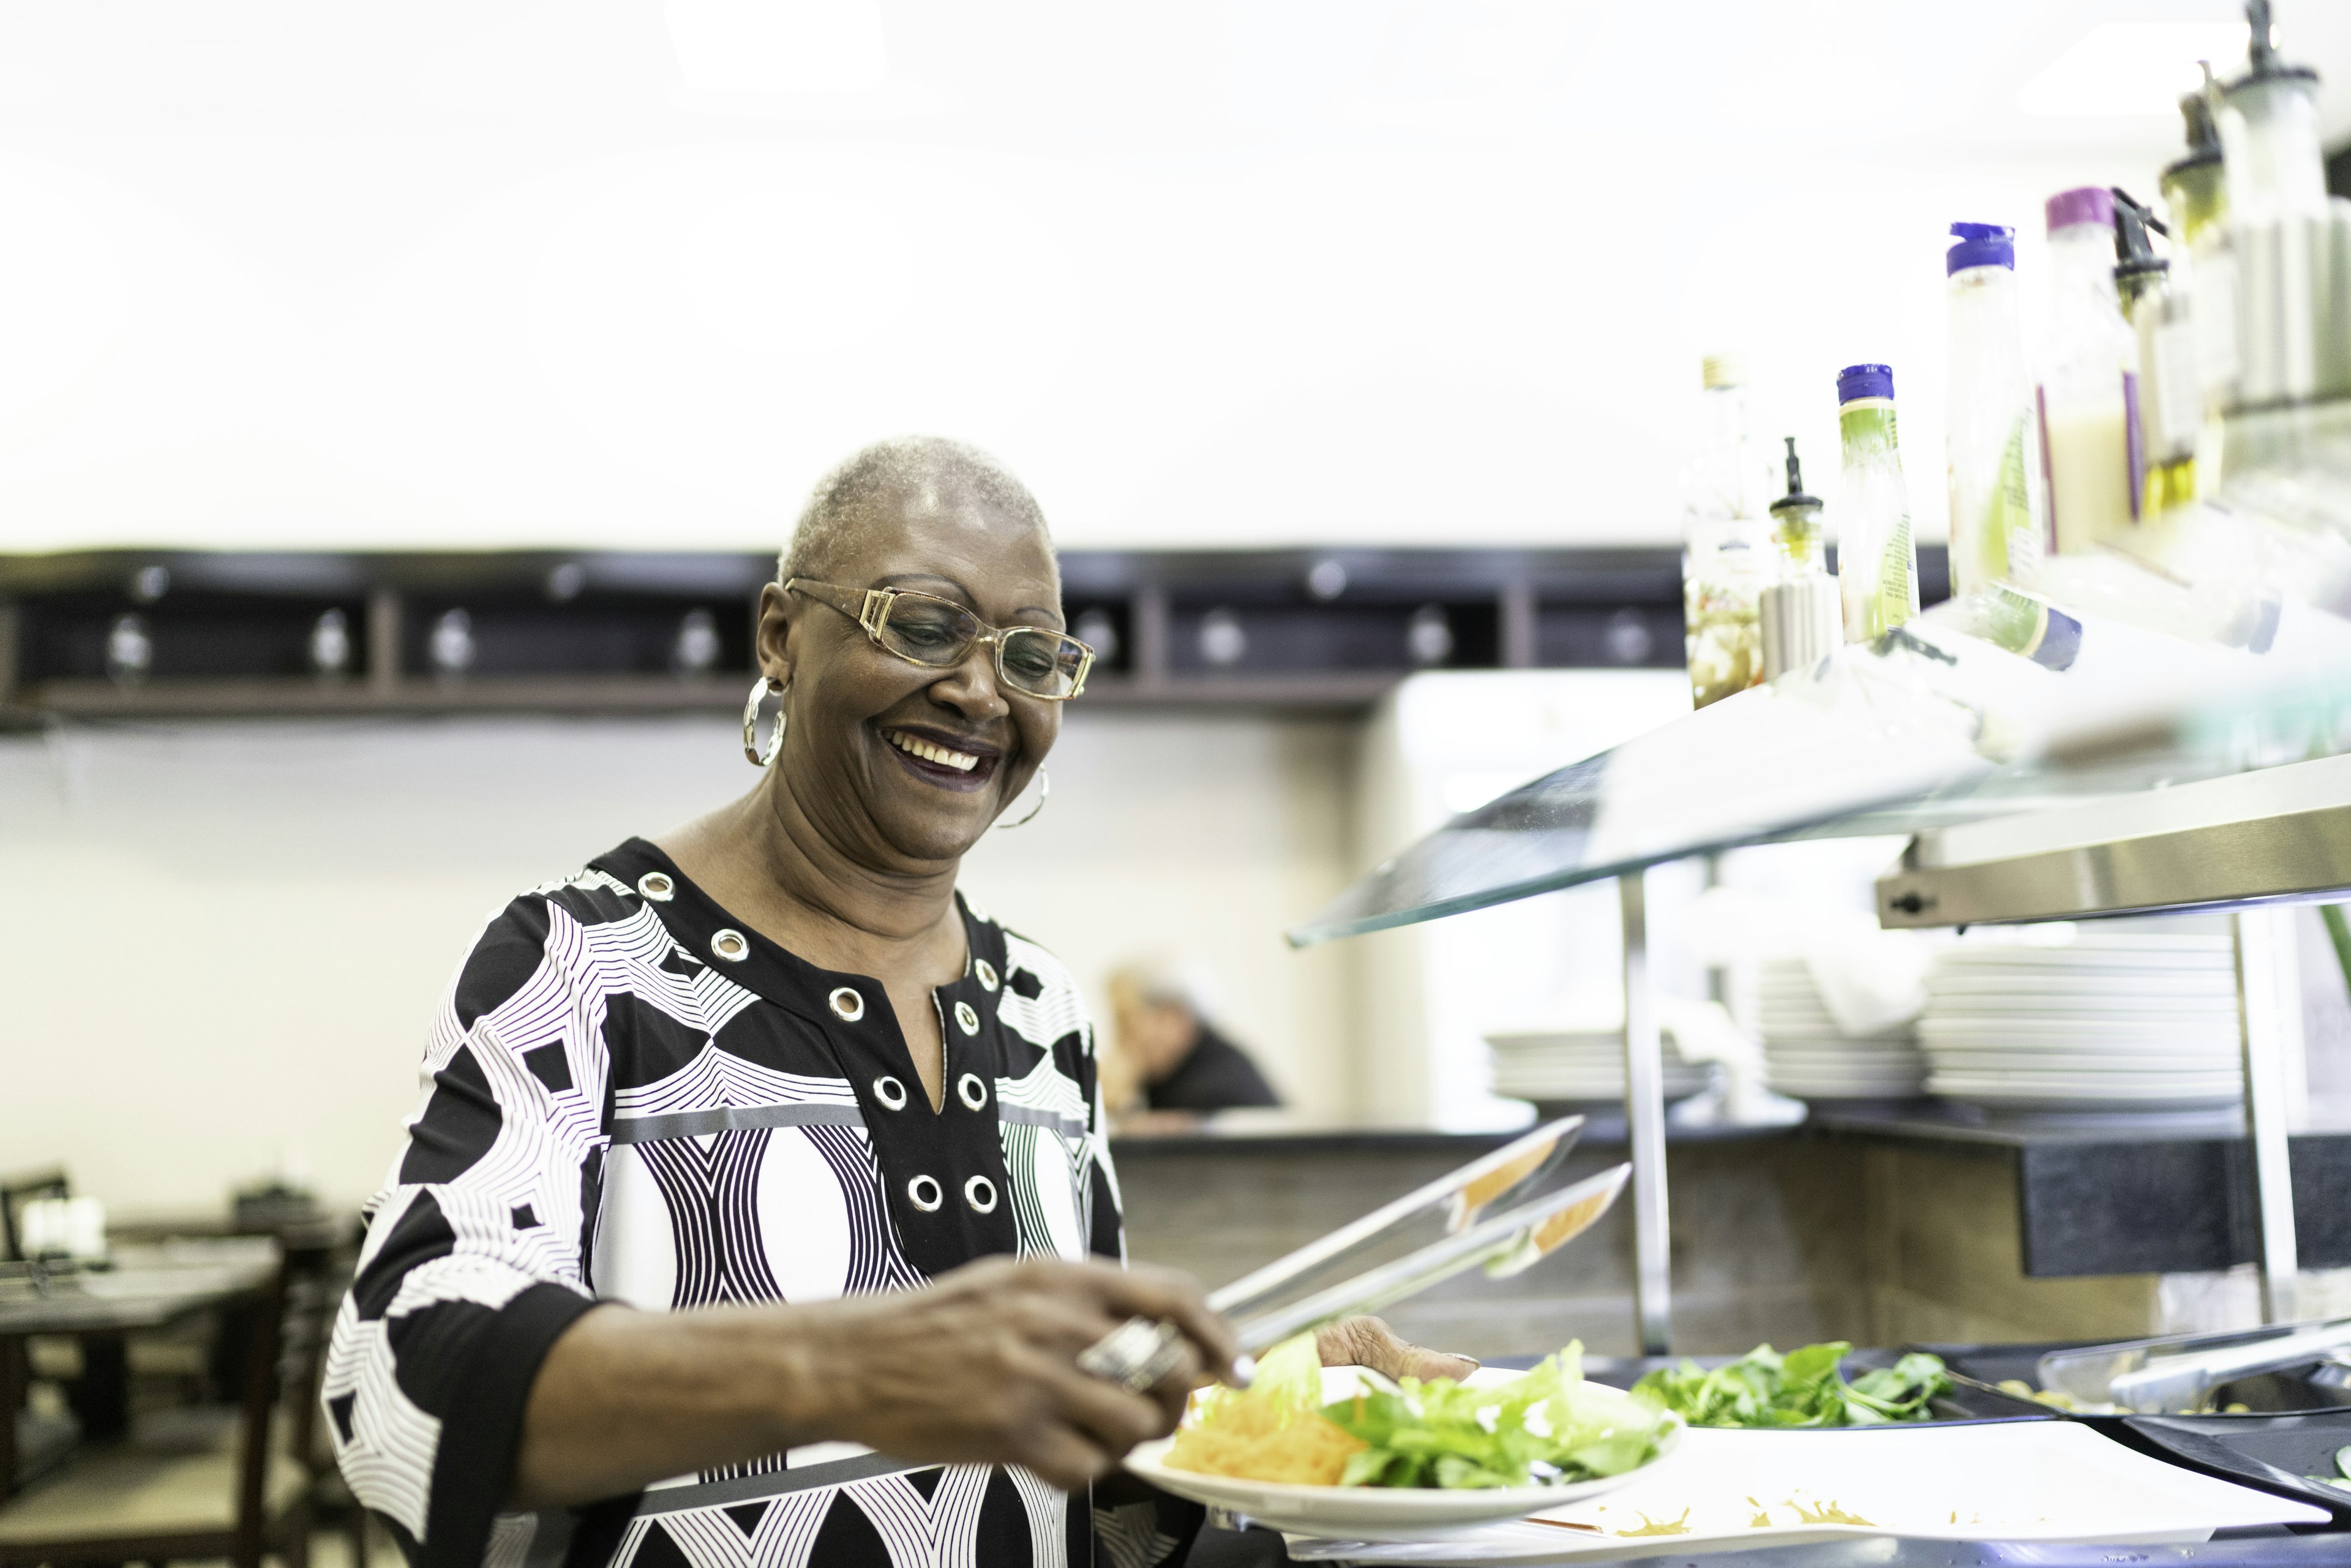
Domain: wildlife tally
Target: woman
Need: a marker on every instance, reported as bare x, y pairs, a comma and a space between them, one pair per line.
831, 1131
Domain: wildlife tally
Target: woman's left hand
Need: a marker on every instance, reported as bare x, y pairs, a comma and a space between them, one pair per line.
1369, 1341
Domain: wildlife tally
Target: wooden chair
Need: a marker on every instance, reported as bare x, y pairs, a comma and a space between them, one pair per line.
15, 1192
158, 1502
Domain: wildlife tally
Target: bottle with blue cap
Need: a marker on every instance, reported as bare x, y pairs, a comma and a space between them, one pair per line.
1878, 563
1989, 431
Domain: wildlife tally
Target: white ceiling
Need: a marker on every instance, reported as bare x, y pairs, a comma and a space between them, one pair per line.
1271, 272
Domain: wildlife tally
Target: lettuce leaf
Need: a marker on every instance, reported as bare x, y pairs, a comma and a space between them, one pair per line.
1801, 1388
1547, 1425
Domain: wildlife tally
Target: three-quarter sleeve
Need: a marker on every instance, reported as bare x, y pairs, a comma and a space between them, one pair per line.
476, 1250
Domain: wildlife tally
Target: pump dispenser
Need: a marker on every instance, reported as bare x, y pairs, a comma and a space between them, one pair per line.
1796, 522
2291, 243
2170, 401
2088, 394
2194, 191
2270, 132
1802, 618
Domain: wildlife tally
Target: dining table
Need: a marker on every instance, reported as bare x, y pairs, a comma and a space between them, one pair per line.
136, 1289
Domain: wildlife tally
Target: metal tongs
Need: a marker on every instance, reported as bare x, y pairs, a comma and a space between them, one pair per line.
2157, 1376
1140, 1352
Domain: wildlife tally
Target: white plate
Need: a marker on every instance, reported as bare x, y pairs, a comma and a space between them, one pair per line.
2158, 1082
2019, 1097
2086, 960
2148, 1026
1850, 1050
2045, 1481
1379, 1513
2000, 1063
2100, 983
2024, 1050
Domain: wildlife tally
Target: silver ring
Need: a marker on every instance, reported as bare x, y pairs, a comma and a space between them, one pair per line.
890, 1091
966, 1018
971, 1193
972, 1092
987, 973
730, 944
847, 1004
657, 887
1136, 1354
914, 1195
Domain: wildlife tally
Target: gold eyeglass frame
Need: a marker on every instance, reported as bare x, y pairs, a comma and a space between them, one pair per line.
873, 608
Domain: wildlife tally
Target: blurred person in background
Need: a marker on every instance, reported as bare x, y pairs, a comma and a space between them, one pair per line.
1169, 1066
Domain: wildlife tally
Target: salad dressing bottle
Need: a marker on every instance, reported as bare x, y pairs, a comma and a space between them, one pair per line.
1878, 563
1988, 432
1726, 555
2089, 394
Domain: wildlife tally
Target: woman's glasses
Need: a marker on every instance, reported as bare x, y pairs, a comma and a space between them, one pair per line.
924, 629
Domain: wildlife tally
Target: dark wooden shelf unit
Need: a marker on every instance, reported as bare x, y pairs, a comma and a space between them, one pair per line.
124, 634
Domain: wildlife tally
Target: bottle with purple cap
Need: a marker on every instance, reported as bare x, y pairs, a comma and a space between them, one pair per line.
1877, 564
1992, 469
2088, 397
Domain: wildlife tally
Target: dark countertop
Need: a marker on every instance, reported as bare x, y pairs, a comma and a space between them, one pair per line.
2119, 1194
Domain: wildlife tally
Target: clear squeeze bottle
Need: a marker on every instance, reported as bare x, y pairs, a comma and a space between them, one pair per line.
2089, 392
1877, 565
1726, 558
1988, 426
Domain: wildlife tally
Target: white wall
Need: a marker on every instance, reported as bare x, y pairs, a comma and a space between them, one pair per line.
223, 944
1394, 271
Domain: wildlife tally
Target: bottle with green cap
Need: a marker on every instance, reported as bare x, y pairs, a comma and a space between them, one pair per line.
1877, 564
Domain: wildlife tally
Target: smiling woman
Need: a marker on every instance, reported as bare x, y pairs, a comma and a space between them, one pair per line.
729, 1141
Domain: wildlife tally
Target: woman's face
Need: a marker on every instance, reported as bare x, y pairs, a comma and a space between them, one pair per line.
854, 708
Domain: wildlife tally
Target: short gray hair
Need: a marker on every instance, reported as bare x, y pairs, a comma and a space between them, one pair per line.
924, 465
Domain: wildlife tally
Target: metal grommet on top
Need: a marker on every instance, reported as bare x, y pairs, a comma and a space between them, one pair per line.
980, 1193
966, 1020
890, 1091
972, 1092
925, 1194
657, 887
847, 1005
987, 973
730, 944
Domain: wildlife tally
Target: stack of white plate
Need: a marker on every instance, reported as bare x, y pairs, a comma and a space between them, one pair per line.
2121, 1019
1806, 1055
1557, 1067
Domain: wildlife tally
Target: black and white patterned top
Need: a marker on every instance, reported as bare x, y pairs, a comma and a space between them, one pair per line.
630, 1097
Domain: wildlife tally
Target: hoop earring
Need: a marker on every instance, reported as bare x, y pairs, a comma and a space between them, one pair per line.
1044, 793
760, 688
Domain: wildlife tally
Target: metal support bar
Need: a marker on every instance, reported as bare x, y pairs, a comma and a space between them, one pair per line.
2258, 934
1644, 1122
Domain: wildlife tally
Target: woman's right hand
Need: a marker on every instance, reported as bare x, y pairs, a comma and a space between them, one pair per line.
981, 1368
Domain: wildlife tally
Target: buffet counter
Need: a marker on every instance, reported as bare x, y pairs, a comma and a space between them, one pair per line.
1881, 1225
